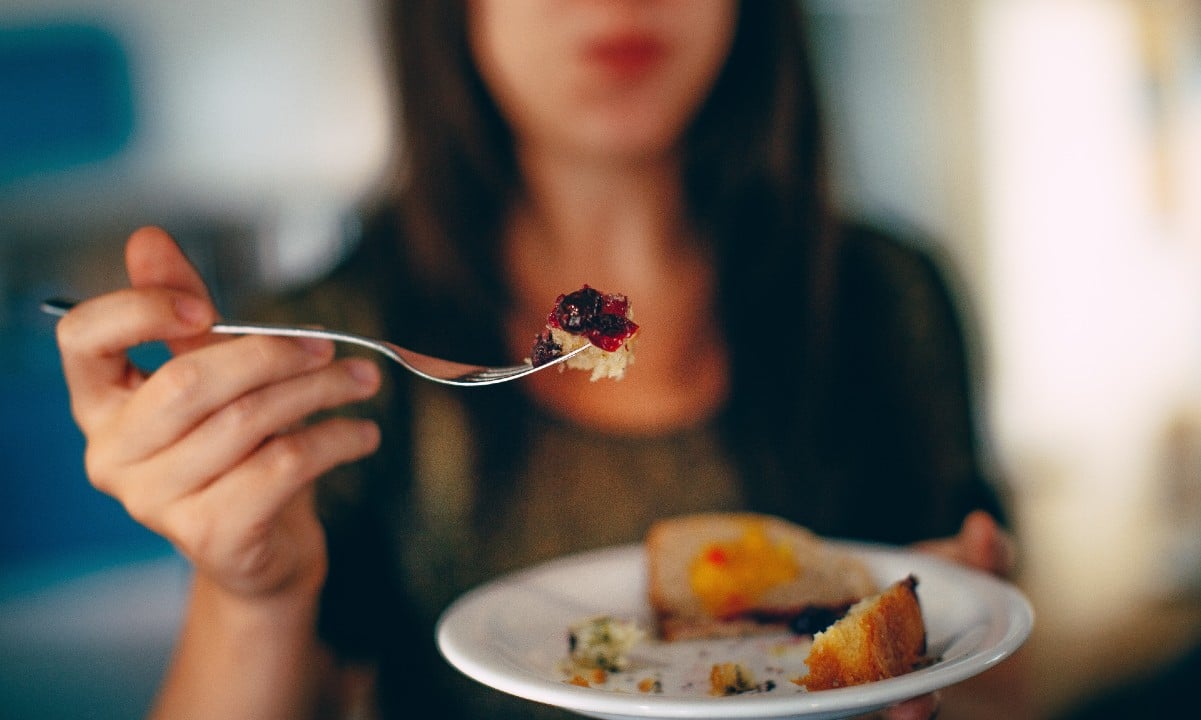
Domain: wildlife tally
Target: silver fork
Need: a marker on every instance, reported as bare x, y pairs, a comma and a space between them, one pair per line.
438, 370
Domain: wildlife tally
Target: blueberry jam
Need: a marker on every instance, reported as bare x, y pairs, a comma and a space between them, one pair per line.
575, 311
815, 619
588, 312
545, 350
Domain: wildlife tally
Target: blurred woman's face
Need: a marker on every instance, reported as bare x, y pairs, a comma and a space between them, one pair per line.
611, 80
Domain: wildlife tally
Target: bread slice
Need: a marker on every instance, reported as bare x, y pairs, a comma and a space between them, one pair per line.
733, 574
881, 636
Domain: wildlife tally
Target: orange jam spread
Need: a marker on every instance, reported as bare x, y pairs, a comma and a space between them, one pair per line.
729, 577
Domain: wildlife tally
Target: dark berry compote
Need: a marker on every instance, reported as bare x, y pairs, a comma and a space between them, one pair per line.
545, 349
602, 318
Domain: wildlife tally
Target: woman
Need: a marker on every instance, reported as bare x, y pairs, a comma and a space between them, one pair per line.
666, 150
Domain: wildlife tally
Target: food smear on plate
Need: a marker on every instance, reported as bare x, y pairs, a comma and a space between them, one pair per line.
603, 642
598, 648
733, 678
731, 666
588, 317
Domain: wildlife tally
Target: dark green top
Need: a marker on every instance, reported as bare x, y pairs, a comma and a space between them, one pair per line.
425, 519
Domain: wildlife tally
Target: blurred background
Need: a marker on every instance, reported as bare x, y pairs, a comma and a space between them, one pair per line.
1053, 147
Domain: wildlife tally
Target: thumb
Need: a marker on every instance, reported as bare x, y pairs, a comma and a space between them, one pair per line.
154, 259
985, 545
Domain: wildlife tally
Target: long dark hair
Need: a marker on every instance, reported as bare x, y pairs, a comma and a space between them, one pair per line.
755, 185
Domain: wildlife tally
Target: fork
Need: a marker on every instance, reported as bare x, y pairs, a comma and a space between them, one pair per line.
438, 370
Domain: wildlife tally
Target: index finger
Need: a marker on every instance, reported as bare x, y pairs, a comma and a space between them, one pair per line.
95, 336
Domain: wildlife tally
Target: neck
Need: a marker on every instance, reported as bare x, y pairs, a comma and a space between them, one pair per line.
618, 228
616, 216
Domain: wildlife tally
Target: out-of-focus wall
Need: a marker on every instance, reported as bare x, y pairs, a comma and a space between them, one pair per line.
1089, 156
270, 115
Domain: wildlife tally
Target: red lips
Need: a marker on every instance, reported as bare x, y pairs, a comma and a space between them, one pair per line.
628, 55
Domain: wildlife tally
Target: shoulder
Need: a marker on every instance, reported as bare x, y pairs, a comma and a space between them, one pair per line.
892, 272
872, 256
897, 300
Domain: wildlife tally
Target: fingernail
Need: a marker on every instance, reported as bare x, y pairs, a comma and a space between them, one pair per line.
364, 372
191, 310
316, 346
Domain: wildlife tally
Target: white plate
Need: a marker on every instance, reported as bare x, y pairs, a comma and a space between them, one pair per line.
511, 634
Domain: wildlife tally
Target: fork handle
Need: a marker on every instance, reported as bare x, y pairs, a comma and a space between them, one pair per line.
430, 368
59, 307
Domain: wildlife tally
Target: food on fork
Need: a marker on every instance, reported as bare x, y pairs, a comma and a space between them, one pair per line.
716, 575
589, 317
881, 636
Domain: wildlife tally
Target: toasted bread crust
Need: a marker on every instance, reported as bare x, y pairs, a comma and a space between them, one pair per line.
881, 637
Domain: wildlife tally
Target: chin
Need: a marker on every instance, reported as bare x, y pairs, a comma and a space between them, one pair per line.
632, 142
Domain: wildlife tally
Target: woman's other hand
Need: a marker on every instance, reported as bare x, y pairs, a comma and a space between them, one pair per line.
982, 544
210, 451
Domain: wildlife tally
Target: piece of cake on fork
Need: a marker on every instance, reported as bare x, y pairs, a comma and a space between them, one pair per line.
589, 317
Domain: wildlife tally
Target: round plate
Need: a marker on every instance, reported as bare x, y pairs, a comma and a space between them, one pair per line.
511, 634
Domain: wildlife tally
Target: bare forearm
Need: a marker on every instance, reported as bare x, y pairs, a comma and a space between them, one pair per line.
240, 658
